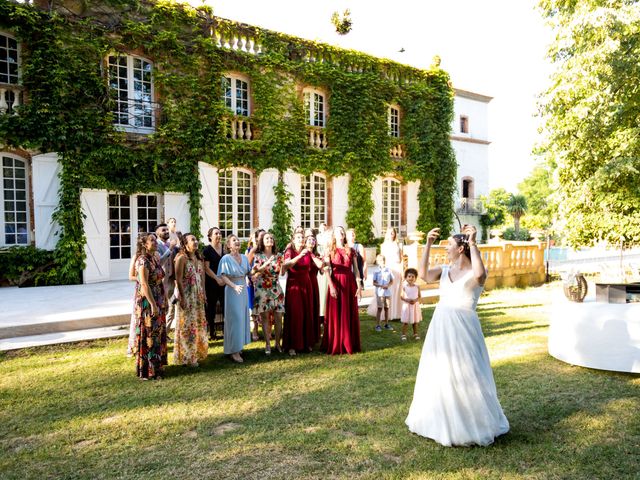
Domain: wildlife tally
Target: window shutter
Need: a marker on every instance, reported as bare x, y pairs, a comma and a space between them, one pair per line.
46, 185
267, 180
293, 183
96, 229
208, 204
340, 200
413, 207
376, 197
176, 205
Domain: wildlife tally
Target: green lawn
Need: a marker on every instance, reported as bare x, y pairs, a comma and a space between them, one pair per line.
79, 412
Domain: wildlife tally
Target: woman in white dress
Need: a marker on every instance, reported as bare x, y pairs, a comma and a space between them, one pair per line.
455, 400
391, 249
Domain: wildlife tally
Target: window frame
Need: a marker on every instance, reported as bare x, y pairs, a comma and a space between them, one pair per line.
388, 205
235, 210
310, 107
18, 60
464, 124
393, 133
27, 202
234, 79
313, 219
130, 126
134, 220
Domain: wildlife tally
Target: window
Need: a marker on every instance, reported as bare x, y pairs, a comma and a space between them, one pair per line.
464, 124
390, 204
8, 60
131, 83
314, 107
235, 193
127, 214
14, 201
313, 201
394, 121
467, 187
235, 92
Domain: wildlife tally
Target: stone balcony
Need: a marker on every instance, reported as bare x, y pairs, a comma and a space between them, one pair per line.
10, 98
240, 128
470, 206
317, 137
398, 151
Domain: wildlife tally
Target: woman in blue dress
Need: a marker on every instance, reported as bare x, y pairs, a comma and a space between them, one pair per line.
233, 270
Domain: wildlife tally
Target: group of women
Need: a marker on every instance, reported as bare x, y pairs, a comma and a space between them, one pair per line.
318, 307
455, 400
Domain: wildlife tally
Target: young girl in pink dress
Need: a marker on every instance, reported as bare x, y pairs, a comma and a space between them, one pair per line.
410, 296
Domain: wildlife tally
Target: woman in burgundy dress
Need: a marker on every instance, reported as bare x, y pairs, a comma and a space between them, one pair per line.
310, 244
342, 323
298, 299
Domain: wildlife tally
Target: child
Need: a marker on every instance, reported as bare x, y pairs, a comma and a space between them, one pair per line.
411, 303
382, 279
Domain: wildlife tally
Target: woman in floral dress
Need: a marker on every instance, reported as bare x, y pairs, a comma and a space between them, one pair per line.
268, 297
191, 342
150, 345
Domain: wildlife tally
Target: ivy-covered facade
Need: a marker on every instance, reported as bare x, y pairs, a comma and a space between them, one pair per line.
124, 112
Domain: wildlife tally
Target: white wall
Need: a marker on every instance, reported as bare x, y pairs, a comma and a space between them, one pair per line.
477, 112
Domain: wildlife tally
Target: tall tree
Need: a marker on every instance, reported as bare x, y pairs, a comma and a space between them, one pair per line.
538, 189
592, 117
517, 207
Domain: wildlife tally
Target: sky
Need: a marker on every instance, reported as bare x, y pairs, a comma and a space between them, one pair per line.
493, 47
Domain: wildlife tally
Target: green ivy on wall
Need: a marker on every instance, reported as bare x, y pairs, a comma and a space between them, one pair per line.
68, 111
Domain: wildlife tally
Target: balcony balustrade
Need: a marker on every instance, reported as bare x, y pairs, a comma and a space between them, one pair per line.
317, 137
397, 151
10, 98
470, 206
240, 128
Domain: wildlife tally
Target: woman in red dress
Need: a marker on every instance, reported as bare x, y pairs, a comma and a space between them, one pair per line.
342, 323
310, 244
298, 299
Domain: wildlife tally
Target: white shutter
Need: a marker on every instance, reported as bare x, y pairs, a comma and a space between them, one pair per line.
176, 205
293, 182
376, 198
96, 229
267, 180
340, 201
209, 202
46, 185
413, 207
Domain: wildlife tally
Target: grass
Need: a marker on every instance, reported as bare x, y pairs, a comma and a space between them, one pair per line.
78, 411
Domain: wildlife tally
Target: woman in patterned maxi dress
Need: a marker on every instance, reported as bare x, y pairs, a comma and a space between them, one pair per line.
191, 343
150, 344
268, 297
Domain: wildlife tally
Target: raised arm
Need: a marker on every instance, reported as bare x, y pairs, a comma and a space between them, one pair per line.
287, 264
427, 274
477, 265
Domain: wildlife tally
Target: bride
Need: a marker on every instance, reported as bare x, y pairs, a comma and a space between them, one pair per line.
455, 400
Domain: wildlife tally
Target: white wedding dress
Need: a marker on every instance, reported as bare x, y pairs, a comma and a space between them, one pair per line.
455, 400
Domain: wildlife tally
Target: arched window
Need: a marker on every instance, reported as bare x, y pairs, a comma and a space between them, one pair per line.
236, 202
235, 93
14, 208
131, 84
313, 201
315, 107
390, 204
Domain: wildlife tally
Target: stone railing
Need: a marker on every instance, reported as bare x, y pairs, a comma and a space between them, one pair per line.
470, 206
510, 264
10, 98
317, 137
240, 128
239, 37
397, 151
